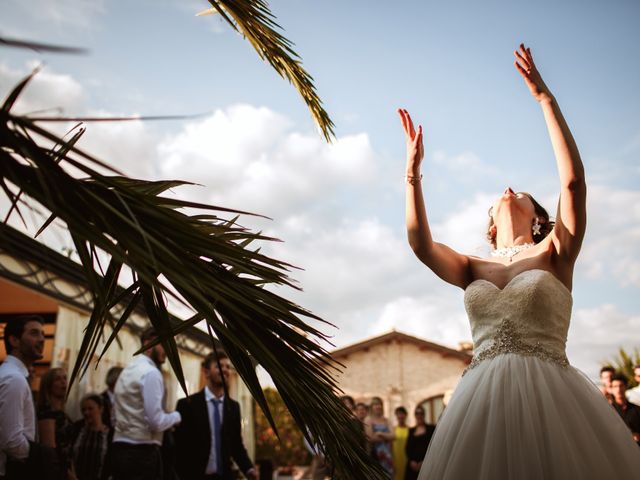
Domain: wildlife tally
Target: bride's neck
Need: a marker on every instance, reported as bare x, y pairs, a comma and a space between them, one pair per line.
513, 240
512, 232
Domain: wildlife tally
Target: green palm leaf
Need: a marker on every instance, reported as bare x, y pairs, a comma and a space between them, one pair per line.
254, 20
202, 260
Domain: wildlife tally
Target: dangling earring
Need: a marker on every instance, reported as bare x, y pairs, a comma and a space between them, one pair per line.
536, 227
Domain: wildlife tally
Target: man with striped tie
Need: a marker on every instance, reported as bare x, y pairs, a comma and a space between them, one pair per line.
210, 433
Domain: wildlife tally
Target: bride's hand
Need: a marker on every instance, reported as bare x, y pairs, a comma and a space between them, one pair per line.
415, 149
527, 68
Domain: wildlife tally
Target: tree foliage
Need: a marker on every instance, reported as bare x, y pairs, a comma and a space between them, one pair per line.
624, 363
289, 448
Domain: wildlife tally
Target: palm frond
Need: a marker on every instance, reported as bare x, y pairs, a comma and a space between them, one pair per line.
38, 46
202, 260
254, 20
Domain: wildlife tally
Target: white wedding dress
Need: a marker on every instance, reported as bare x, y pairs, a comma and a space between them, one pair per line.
520, 410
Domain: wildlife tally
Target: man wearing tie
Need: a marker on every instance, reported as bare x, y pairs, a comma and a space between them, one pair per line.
210, 433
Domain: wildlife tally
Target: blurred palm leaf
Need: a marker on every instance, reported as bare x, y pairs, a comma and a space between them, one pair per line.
625, 362
254, 20
202, 260
38, 46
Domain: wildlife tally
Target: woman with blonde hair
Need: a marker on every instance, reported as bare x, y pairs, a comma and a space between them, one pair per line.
378, 432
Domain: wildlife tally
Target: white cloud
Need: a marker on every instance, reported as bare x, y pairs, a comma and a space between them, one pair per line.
437, 317
250, 159
612, 241
362, 276
54, 92
130, 146
464, 229
58, 14
597, 333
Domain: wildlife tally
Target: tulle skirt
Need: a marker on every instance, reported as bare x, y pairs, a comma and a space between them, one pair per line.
518, 417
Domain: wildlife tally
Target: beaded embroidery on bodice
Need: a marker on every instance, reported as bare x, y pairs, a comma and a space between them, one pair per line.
529, 316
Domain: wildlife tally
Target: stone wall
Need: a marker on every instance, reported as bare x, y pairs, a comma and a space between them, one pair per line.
400, 372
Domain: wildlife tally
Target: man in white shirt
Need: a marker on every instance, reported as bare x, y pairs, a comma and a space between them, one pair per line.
140, 418
24, 343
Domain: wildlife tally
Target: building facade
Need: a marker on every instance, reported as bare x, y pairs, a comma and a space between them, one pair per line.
403, 370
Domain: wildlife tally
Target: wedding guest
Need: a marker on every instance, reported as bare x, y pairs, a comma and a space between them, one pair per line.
349, 402
417, 444
633, 394
629, 412
401, 432
265, 469
24, 344
108, 397
362, 410
210, 434
140, 418
55, 428
319, 469
90, 447
606, 373
380, 436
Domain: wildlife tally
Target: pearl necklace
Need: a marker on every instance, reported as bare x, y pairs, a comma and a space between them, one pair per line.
510, 252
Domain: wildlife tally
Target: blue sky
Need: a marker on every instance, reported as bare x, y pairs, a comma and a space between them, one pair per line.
340, 208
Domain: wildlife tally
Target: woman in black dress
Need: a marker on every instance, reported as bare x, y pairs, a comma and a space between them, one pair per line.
55, 428
417, 444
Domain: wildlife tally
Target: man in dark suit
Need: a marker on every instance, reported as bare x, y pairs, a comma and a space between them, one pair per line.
209, 435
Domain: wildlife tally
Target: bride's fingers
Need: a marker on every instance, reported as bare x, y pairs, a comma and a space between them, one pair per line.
521, 68
530, 57
522, 60
405, 123
402, 119
412, 130
523, 71
418, 138
526, 53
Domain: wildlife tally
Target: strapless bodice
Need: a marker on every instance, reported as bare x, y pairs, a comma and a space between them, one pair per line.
529, 316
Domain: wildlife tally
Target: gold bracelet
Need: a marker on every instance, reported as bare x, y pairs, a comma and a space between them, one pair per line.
410, 179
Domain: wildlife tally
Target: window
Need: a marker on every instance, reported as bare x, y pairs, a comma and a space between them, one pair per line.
433, 408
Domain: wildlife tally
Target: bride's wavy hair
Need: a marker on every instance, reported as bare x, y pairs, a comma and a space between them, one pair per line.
541, 212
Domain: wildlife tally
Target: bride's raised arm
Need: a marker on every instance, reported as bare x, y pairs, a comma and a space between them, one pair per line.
571, 217
445, 262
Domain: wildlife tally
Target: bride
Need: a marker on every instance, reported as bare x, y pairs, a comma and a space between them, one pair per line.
520, 410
